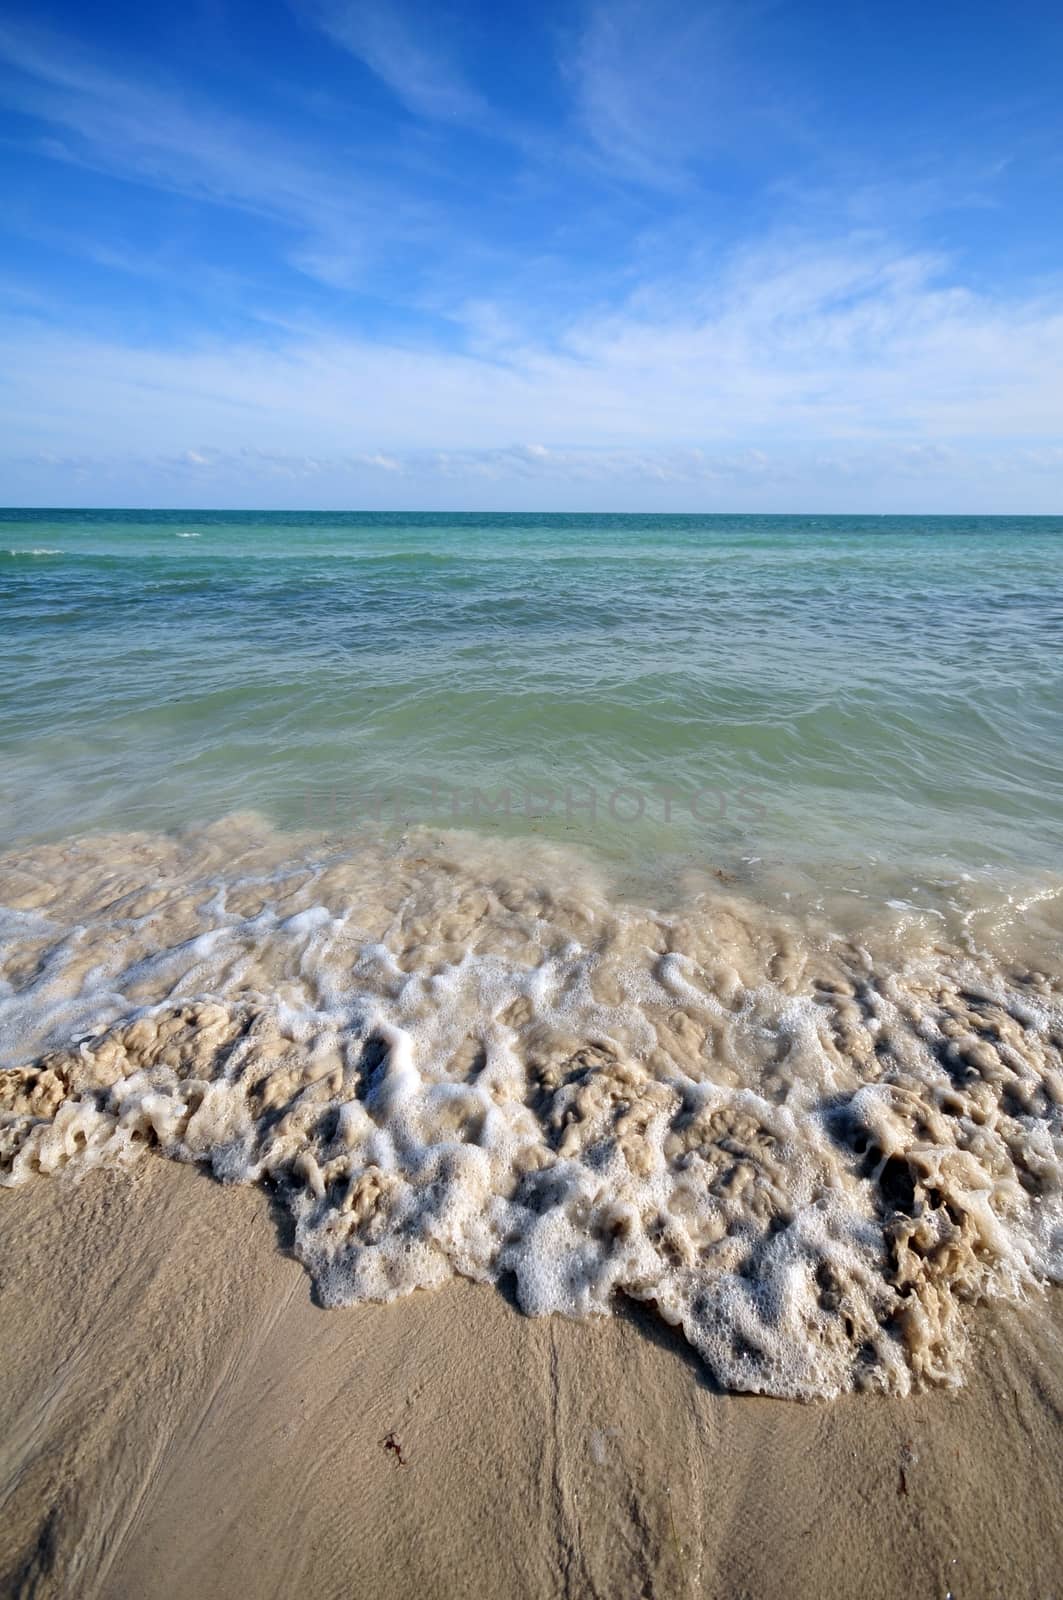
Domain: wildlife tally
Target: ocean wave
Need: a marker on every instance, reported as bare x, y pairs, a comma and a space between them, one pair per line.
38, 550
449, 1056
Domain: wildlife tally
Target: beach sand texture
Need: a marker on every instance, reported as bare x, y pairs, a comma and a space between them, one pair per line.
181, 1418
657, 1191
812, 1152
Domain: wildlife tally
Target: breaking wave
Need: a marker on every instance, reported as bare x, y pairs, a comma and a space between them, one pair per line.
811, 1149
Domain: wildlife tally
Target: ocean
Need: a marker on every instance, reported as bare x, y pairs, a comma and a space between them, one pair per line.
609, 905
863, 690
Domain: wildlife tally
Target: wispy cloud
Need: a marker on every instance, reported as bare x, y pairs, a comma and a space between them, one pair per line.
397, 48
143, 132
662, 87
795, 365
568, 302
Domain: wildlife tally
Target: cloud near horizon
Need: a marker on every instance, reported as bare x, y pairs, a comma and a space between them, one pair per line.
407, 295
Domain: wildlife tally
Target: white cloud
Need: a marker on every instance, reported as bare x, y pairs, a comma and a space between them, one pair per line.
152, 135
797, 367
660, 85
533, 477
395, 47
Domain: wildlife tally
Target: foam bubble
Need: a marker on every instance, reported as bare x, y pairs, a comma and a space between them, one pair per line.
811, 1152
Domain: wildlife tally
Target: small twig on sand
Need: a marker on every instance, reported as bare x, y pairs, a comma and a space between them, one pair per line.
671, 1515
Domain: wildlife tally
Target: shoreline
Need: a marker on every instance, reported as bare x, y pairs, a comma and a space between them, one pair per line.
811, 1153
181, 1414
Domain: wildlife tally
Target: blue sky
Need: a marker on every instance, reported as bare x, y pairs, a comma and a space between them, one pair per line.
764, 256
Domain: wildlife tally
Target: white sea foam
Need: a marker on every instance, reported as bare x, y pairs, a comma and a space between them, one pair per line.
809, 1151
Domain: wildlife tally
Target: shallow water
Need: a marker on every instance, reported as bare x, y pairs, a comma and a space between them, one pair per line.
792, 1071
835, 691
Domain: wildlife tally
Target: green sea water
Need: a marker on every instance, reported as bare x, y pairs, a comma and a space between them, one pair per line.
841, 692
667, 908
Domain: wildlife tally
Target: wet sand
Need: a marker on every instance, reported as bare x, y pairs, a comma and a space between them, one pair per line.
180, 1417
813, 1139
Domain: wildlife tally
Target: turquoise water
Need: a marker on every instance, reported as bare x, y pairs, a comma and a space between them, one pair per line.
821, 689
736, 990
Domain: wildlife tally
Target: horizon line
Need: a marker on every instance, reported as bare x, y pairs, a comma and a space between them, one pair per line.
440, 511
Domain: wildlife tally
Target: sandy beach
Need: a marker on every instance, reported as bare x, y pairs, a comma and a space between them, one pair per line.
531, 801
181, 1417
